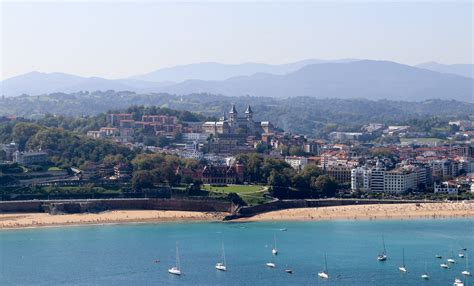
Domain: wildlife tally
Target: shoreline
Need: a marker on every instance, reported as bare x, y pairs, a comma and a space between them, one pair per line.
42, 220
369, 212
335, 213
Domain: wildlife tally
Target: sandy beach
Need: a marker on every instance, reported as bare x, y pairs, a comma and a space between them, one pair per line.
370, 212
355, 212
24, 220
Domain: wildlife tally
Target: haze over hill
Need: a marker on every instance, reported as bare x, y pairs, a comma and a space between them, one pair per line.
218, 71
466, 70
313, 78
360, 79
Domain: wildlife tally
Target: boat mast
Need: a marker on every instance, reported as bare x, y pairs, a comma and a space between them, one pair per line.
383, 242
403, 257
325, 263
274, 241
223, 254
467, 265
177, 257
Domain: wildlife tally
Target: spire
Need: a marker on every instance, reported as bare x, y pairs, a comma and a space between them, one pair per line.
233, 110
249, 110
224, 117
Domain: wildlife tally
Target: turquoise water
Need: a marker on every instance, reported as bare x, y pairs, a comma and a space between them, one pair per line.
126, 254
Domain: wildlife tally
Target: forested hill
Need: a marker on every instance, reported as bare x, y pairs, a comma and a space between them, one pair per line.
302, 114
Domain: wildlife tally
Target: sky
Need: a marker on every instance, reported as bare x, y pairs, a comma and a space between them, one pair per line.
120, 39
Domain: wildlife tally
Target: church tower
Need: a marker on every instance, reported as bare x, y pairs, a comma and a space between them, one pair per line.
249, 113
233, 114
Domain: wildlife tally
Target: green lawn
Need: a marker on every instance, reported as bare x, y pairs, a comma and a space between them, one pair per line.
251, 194
239, 189
423, 140
52, 169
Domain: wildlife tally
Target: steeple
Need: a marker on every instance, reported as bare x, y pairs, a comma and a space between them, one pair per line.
233, 110
249, 110
224, 117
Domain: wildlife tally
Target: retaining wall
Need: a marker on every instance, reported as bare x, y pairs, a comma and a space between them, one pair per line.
80, 206
289, 204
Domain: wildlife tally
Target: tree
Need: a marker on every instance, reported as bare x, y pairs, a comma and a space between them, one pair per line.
277, 180
142, 180
326, 185
236, 199
163, 141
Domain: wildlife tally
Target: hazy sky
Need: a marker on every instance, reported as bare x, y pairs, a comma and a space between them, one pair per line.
119, 39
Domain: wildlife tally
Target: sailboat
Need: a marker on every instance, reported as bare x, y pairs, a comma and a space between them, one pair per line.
324, 274
222, 265
383, 256
425, 274
458, 282
271, 264
466, 272
451, 260
403, 268
444, 265
274, 249
175, 270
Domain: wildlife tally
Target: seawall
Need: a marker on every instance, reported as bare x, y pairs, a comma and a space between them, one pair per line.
311, 203
98, 205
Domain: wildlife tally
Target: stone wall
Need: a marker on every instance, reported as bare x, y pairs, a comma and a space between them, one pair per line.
81, 206
290, 204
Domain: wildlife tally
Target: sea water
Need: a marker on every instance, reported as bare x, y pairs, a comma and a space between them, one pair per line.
140, 254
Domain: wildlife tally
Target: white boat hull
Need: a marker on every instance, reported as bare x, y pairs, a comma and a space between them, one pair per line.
381, 257
174, 271
466, 273
274, 251
402, 269
425, 276
271, 265
323, 275
445, 266
221, 267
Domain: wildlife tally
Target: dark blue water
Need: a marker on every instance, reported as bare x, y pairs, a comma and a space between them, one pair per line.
125, 254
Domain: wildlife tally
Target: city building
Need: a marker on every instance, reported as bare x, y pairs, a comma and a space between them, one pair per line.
341, 172
361, 179
447, 187
30, 158
297, 162
399, 180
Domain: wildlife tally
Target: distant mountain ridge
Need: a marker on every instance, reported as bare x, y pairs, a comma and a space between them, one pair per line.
466, 70
36, 83
310, 78
218, 71
359, 79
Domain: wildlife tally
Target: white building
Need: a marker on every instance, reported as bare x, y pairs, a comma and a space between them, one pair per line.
399, 180
446, 188
345, 135
297, 162
96, 134
360, 179
195, 137
377, 178
30, 158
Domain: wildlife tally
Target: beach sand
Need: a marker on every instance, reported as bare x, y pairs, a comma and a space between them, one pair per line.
23, 220
353, 212
370, 212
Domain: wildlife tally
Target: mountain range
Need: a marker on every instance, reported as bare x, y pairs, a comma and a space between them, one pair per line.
466, 70
347, 78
